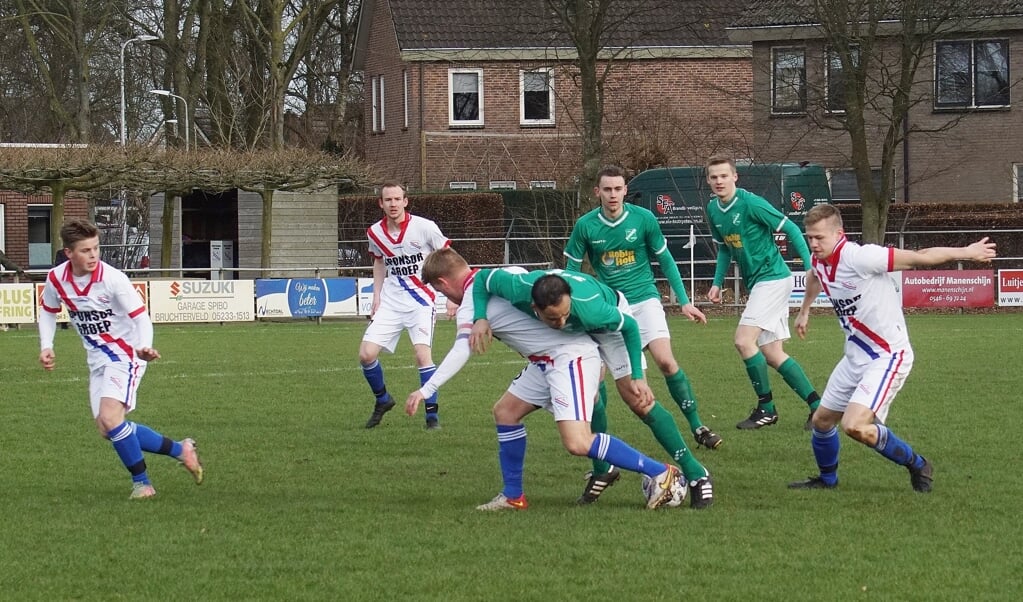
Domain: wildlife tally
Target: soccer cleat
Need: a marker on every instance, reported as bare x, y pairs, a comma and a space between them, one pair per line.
759, 418
663, 487
432, 424
814, 482
142, 491
596, 484
190, 460
921, 478
701, 493
503, 503
379, 410
707, 438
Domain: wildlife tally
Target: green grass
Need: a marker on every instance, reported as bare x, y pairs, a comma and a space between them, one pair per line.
302, 503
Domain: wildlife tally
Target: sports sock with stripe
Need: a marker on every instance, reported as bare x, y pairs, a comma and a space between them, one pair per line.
620, 454
126, 444
511, 453
890, 446
682, 392
153, 442
374, 374
431, 401
663, 426
756, 369
825, 450
795, 378
598, 424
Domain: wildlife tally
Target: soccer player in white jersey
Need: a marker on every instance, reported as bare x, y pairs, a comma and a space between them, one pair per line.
401, 300
878, 356
561, 376
111, 318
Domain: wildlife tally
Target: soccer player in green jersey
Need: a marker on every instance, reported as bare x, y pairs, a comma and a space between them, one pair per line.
743, 226
577, 302
620, 240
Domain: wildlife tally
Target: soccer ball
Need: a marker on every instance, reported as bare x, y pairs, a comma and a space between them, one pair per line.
678, 492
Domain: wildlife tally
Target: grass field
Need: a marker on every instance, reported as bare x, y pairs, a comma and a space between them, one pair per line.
302, 503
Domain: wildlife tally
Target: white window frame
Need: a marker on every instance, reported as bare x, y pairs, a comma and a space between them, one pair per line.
451, 100
374, 104
503, 184
404, 84
537, 184
1017, 184
550, 97
49, 256
461, 185
972, 104
383, 104
801, 110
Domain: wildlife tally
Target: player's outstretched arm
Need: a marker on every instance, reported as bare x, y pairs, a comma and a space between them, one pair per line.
983, 250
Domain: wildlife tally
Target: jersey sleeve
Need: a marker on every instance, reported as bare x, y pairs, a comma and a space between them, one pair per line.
437, 238
374, 248
575, 250
764, 213
459, 353
658, 247
795, 236
50, 298
870, 260
597, 315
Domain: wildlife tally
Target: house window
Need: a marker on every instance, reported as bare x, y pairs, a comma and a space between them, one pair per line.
404, 85
1017, 183
375, 104
788, 80
536, 101
502, 184
466, 96
39, 236
462, 185
3, 228
837, 78
543, 184
971, 73
380, 81
845, 189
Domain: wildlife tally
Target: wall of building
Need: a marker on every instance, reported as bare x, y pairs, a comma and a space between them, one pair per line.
15, 209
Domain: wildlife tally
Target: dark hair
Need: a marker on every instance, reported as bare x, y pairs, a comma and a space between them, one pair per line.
549, 290
441, 263
76, 230
392, 184
821, 213
610, 171
719, 158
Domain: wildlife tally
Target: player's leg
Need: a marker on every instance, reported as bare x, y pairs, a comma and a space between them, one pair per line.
793, 375
109, 389
868, 410
421, 334
603, 474
824, 440
381, 334
508, 412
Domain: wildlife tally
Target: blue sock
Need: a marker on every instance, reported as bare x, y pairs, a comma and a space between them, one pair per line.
153, 442
511, 451
619, 453
895, 449
126, 444
431, 401
374, 374
825, 451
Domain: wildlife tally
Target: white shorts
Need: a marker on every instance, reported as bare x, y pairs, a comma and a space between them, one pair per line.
117, 380
387, 325
768, 310
564, 386
872, 385
612, 347
653, 324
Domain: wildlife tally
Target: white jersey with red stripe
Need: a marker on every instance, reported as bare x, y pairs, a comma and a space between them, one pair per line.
865, 298
403, 256
102, 308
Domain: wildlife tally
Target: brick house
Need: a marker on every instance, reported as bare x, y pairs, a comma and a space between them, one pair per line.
481, 95
961, 143
25, 226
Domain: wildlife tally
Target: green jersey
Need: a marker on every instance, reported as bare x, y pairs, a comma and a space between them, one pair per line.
744, 229
594, 305
620, 252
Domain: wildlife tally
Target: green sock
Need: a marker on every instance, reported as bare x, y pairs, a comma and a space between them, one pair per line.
682, 392
663, 426
756, 368
793, 374
598, 424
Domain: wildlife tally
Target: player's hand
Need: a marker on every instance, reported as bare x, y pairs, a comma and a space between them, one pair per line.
480, 336
413, 401
714, 294
47, 359
148, 354
982, 250
452, 308
641, 391
802, 324
373, 308
693, 313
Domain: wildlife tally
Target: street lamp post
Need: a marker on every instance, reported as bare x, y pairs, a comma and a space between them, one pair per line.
143, 38
184, 102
